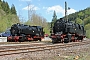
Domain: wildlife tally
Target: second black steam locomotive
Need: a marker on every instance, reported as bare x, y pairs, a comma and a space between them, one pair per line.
21, 32
67, 31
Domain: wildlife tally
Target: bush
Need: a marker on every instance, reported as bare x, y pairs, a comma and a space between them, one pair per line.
88, 33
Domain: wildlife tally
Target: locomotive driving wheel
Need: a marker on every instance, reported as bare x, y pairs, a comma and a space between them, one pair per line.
21, 39
54, 40
40, 39
66, 40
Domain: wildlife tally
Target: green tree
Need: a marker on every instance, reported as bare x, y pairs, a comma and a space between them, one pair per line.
87, 27
7, 9
3, 5
87, 20
0, 4
79, 21
13, 10
88, 33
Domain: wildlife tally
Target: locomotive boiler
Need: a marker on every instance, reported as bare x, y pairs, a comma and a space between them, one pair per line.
67, 31
21, 32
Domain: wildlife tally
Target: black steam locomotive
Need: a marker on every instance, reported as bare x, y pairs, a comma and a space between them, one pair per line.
67, 31
21, 32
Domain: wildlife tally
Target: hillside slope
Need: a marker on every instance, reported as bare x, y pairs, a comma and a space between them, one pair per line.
8, 16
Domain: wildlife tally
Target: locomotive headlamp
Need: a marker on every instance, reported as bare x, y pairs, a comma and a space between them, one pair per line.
75, 29
33, 31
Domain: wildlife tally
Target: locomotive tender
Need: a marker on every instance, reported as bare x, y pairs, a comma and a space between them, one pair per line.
67, 31
21, 32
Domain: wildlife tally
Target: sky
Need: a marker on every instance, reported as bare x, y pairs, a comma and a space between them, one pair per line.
45, 8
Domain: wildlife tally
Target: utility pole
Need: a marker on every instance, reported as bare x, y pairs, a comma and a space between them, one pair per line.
28, 11
66, 16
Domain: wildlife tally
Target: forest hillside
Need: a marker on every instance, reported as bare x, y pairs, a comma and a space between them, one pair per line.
8, 16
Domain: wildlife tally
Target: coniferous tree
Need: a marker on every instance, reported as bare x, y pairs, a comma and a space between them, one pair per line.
0, 4
7, 10
13, 10
0, 1
3, 5
54, 19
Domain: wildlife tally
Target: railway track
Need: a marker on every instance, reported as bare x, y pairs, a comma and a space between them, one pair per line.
34, 47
